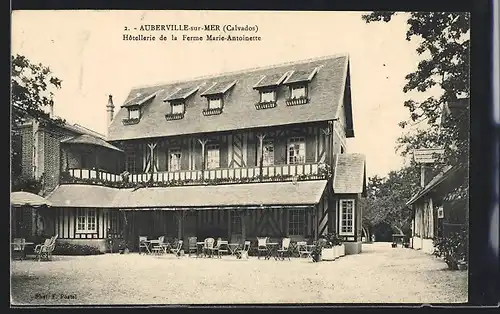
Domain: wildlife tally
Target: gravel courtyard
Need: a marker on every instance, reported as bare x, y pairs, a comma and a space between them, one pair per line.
380, 275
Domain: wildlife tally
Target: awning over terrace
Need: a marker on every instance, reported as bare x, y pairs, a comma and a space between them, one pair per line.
301, 193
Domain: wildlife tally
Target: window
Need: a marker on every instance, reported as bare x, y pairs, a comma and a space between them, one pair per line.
214, 103
267, 96
134, 113
299, 91
178, 108
296, 222
212, 156
268, 153
174, 156
86, 220
296, 150
235, 222
346, 217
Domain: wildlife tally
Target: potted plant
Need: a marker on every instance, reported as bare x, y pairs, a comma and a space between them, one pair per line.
123, 247
316, 252
338, 244
328, 248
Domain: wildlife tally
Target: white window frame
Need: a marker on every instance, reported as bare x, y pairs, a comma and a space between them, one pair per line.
215, 102
171, 165
341, 218
177, 108
212, 162
301, 141
271, 94
84, 224
268, 153
135, 110
294, 222
294, 93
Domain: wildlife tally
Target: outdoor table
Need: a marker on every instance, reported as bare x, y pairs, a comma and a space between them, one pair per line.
233, 247
23, 251
272, 250
199, 248
294, 250
397, 238
150, 244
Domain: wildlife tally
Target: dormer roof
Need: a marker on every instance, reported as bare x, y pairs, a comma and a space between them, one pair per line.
327, 92
219, 88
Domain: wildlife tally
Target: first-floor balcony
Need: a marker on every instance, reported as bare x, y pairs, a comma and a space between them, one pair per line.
274, 173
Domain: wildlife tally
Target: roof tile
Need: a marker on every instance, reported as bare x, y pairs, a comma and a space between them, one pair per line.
350, 174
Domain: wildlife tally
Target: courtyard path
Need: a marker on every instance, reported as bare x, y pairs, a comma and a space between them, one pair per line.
378, 275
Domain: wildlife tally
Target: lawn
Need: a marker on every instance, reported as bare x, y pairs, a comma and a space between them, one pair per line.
380, 274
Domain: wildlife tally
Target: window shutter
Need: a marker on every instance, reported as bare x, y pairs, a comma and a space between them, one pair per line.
223, 154
310, 148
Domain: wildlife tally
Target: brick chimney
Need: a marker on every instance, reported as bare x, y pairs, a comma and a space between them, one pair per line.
110, 109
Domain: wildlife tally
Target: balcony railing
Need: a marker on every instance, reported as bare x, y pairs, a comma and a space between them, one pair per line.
273, 173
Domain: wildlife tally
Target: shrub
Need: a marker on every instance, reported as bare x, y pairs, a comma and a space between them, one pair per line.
75, 249
452, 248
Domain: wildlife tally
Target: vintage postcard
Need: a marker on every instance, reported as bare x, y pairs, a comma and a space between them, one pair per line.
239, 157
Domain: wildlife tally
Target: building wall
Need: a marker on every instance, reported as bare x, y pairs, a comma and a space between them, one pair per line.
26, 133
237, 149
356, 237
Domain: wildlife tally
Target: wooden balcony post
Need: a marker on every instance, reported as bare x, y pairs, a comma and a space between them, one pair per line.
203, 142
261, 159
152, 147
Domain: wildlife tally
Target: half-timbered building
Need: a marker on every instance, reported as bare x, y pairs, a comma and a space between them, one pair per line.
259, 152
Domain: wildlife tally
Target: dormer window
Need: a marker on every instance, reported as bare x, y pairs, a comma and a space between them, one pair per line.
299, 91
267, 96
134, 105
215, 102
134, 113
299, 84
215, 97
177, 101
178, 108
268, 86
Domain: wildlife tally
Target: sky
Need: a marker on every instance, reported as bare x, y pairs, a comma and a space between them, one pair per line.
86, 50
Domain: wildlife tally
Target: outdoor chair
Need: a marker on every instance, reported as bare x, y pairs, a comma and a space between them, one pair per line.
18, 246
285, 248
177, 249
244, 252
303, 249
143, 245
222, 247
159, 248
261, 246
192, 246
208, 247
44, 251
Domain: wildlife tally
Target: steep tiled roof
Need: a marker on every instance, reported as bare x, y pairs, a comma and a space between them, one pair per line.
80, 195
438, 179
326, 93
276, 193
91, 140
350, 174
218, 88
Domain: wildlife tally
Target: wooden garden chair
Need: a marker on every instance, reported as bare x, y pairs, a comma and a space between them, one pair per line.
222, 247
261, 246
303, 249
143, 244
285, 248
208, 248
177, 249
44, 251
18, 246
159, 248
192, 246
244, 252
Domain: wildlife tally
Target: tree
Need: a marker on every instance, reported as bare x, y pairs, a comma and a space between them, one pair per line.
444, 47
387, 196
32, 87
